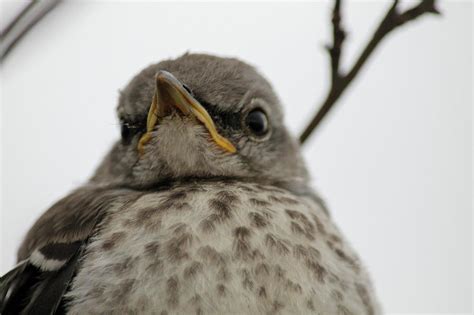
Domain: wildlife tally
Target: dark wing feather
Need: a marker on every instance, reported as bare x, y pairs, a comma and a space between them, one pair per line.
12, 284
52, 250
47, 296
29, 290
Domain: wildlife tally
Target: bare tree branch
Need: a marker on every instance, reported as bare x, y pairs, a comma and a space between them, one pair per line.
338, 35
339, 80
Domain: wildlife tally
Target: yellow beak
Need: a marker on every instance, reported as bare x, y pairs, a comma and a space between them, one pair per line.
171, 93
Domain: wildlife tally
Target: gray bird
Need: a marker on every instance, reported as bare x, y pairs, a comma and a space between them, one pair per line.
202, 207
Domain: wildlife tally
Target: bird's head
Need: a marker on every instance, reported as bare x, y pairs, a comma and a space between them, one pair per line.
200, 116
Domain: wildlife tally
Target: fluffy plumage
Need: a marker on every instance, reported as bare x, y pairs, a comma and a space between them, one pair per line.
186, 227
221, 247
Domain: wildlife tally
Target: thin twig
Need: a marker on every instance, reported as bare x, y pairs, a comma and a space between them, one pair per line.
24, 22
339, 80
338, 35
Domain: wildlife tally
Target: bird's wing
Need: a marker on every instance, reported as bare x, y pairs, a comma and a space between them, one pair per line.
28, 289
51, 251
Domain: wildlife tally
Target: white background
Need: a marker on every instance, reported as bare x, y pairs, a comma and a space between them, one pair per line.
393, 160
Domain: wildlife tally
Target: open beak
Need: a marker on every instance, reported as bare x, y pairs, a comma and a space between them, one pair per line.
171, 93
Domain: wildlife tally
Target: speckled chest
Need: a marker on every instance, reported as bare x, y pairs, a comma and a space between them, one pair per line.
220, 248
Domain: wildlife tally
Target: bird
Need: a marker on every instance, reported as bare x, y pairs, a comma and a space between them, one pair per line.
203, 206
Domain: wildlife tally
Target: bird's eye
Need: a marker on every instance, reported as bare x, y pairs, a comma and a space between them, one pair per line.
127, 131
257, 122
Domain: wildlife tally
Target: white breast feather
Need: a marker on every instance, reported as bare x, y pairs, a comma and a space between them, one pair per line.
228, 248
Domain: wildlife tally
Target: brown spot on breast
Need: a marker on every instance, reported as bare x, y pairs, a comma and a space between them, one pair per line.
314, 253
346, 258
241, 233
143, 305
333, 278
152, 249
155, 267
166, 205
262, 292
306, 254
256, 254
221, 290
199, 311
257, 220
177, 246
164, 313
128, 223
310, 304
208, 224
295, 287
330, 244
223, 274
172, 291
300, 252
283, 200
192, 269
334, 238
277, 306
178, 228
289, 201
144, 215
319, 224
222, 210
293, 214
267, 213
274, 198
196, 299
353, 263
210, 255
259, 202
280, 273
296, 228
277, 244
247, 283
342, 310
123, 289
227, 197
307, 227
318, 270
301, 217
114, 238
125, 265
241, 244
262, 269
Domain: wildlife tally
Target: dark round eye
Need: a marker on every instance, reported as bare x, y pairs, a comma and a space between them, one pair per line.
126, 132
257, 122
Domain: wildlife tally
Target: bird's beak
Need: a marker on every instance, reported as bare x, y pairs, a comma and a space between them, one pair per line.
171, 93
